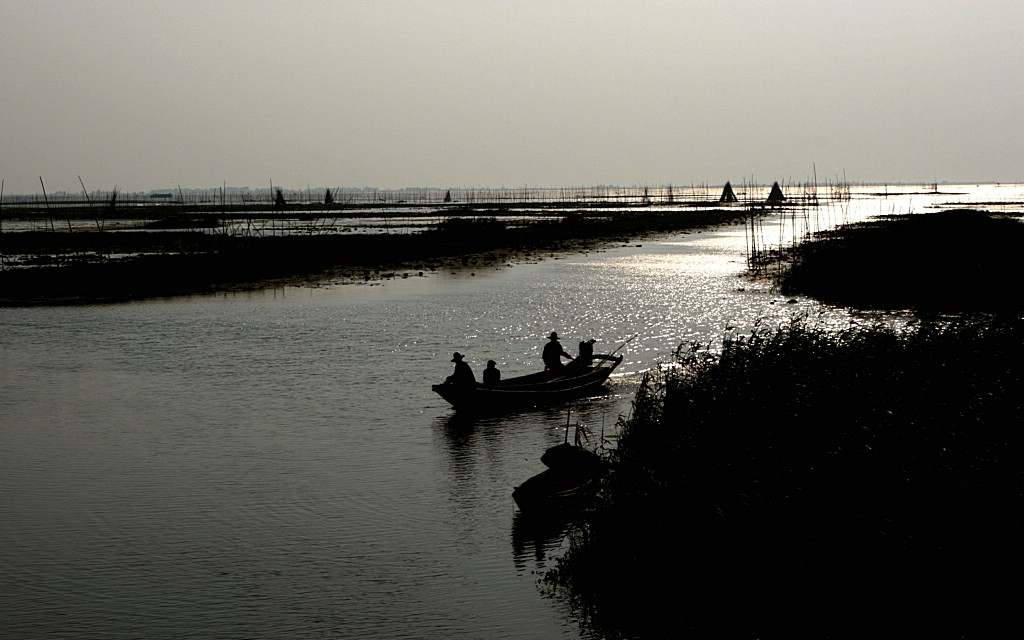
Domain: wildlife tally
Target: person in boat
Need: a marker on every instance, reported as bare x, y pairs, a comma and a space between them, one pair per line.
463, 374
586, 355
492, 375
553, 353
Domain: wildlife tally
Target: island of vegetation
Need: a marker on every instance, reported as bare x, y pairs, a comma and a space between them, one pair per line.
812, 482
55, 266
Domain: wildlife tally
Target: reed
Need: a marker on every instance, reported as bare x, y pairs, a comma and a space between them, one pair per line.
806, 481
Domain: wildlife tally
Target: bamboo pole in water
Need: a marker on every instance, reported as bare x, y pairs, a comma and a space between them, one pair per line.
46, 201
99, 225
1, 224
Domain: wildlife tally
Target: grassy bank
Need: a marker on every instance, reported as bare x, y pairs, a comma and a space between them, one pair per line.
945, 261
78, 267
812, 483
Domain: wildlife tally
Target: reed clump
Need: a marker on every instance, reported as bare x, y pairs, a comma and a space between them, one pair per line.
804, 481
957, 260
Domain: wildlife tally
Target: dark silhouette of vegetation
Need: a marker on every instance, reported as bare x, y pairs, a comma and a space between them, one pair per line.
813, 483
74, 267
958, 260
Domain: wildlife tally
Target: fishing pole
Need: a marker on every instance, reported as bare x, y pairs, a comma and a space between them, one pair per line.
608, 357
623, 344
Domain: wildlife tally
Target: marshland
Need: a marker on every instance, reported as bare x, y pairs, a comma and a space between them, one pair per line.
114, 246
266, 459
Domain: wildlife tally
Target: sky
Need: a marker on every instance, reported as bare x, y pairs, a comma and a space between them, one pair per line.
148, 94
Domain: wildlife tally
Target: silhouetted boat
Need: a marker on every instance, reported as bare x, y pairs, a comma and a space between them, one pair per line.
571, 479
571, 381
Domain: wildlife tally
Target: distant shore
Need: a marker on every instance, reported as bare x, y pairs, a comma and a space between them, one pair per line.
81, 266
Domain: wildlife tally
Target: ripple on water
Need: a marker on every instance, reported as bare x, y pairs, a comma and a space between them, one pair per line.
275, 465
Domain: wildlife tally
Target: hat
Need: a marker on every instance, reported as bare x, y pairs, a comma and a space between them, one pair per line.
491, 363
553, 336
456, 357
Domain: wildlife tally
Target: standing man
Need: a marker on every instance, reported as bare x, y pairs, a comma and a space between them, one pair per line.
586, 355
553, 353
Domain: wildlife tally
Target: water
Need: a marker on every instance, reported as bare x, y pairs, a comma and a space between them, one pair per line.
274, 464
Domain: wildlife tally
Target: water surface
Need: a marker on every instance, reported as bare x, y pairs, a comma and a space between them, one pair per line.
274, 464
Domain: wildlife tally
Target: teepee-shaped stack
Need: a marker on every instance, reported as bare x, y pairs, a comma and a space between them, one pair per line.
776, 195
728, 195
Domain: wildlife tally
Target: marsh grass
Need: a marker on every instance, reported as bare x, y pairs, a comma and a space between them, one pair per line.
956, 260
805, 481
162, 263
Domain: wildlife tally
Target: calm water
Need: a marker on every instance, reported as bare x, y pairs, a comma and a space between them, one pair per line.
275, 465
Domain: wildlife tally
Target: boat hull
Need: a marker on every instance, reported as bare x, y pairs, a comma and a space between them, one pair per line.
539, 388
571, 480
555, 490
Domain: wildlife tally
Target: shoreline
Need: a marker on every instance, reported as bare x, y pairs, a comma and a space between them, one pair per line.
214, 264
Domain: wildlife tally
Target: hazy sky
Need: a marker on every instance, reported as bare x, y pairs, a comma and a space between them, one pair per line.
458, 93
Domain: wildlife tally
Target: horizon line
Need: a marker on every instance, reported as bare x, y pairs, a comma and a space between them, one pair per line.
661, 186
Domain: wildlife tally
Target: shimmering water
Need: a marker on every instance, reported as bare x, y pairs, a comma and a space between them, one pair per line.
275, 465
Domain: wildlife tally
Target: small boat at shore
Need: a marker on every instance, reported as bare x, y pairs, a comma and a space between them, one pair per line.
572, 478
571, 381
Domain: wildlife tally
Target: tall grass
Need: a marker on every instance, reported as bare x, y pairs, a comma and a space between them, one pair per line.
952, 260
805, 481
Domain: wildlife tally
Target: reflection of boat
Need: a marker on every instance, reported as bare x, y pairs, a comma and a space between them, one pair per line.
570, 480
537, 535
547, 386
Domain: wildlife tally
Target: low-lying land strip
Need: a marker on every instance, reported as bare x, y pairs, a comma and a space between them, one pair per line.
957, 260
82, 266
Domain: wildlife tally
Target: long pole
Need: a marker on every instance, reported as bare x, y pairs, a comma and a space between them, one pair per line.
1, 223
89, 200
623, 344
603, 362
46, 201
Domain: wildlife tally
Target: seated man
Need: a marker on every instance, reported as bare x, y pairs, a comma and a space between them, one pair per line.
586, 355
463, 374
492, 375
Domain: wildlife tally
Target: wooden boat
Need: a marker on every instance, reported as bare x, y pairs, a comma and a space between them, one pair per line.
554, 490
572, 381
572, 478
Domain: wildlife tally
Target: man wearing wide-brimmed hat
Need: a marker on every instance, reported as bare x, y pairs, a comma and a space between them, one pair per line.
553, 353
463, 374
